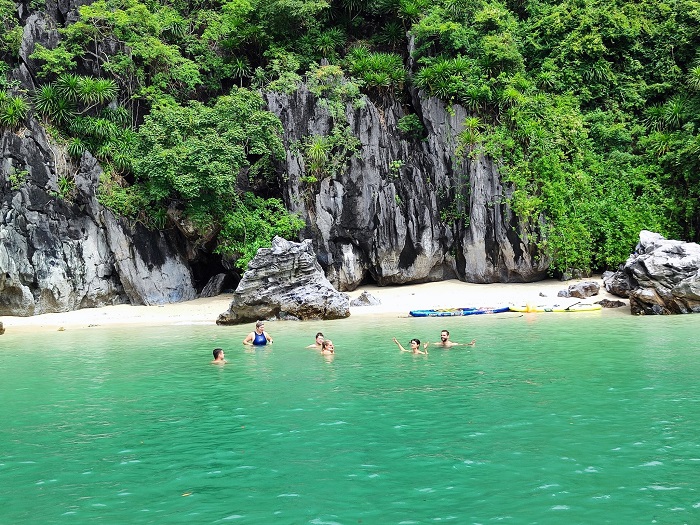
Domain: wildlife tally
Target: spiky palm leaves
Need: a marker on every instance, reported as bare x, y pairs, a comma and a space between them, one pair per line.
71, 94
71, 104
382, 71
13, 110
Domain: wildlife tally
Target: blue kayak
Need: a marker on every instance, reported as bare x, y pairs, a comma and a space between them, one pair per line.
456, 312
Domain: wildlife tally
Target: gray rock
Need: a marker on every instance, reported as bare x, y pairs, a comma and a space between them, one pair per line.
214, 286
563, 293
282, 281
665, 276
607, 303
618, 283
584, 289
365, 299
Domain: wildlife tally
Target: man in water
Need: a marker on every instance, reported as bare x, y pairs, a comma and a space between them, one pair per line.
415, 346
446, 343
259, 336
219, 357
319, 342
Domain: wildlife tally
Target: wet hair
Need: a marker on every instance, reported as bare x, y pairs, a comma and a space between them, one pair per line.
217, 352
446, 331
326, 343
259, 324
417, 341
320, 333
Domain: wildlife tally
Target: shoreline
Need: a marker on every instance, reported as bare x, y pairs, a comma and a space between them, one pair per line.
396, 301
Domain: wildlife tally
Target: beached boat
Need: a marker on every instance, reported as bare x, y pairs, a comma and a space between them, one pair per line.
575, 307
456, 312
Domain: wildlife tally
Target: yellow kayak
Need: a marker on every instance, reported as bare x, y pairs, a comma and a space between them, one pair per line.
576, 307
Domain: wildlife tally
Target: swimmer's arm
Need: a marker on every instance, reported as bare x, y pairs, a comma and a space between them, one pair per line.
249, 339
269, 339
399, 345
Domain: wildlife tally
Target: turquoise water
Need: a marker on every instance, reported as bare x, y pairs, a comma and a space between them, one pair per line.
550, 419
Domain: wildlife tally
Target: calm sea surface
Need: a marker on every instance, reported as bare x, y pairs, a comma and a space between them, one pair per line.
551, 419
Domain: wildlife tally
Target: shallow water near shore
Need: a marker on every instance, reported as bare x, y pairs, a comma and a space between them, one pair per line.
549, 419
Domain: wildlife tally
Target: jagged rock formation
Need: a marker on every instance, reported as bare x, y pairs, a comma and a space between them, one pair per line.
60, 254
404, 211
285, 281
664, 275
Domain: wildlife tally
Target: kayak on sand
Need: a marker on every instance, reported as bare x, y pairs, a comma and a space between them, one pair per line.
454, 312
576, 307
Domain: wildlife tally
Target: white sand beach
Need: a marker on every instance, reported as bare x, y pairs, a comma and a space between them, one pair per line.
395, 301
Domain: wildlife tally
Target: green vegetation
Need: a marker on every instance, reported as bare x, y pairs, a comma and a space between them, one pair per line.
589, 108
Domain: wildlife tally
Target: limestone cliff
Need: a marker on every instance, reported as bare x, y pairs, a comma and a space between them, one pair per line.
63, 252
389, 217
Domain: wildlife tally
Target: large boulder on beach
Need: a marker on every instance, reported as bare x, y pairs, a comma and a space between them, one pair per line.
664, 275
285, 281
582, 290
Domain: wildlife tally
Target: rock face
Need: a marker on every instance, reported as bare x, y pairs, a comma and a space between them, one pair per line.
285, 281
62, 253
404, 211
665, 276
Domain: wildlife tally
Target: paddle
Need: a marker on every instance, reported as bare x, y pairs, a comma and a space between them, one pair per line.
572, 305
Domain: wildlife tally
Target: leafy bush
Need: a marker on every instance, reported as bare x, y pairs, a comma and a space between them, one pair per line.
252, 225
411, 126
191, 157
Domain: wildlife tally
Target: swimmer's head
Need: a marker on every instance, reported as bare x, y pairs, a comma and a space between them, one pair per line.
217, 352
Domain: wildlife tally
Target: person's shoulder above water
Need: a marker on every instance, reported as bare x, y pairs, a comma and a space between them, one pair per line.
219, 357
446, 343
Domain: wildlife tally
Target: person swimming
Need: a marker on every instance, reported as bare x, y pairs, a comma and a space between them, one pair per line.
446, 343
318, 344
415, 346
259, 336
219, 357
327, 347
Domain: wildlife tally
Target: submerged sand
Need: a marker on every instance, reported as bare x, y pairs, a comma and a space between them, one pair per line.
395, 301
